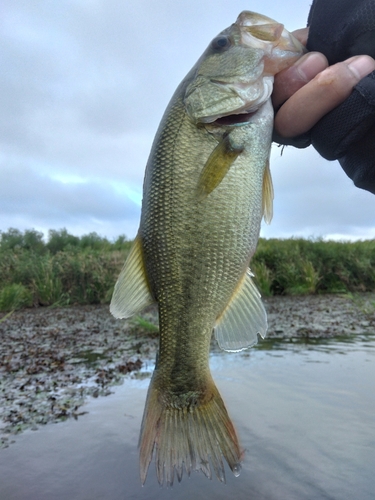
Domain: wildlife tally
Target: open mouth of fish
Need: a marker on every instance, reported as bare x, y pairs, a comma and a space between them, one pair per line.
234, 119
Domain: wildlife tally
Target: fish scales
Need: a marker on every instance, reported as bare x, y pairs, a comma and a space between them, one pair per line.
199, 247
196, 254
207, 186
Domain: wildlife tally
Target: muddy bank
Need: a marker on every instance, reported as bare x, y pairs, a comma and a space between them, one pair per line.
51, 360
320, 316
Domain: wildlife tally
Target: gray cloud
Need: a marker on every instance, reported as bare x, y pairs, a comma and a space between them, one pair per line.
83, 86
42, 201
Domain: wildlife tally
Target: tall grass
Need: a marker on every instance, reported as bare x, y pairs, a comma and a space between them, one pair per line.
300, 266
67, 269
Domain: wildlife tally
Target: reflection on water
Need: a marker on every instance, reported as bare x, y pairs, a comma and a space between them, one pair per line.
304, 411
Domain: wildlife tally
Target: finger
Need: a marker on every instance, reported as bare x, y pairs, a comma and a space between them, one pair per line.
301, 35
288, 81
326, 91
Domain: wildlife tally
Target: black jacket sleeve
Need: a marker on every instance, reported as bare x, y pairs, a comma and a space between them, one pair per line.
341, 29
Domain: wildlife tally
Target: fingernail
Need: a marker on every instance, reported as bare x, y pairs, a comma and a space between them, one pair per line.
310, 65
361, 65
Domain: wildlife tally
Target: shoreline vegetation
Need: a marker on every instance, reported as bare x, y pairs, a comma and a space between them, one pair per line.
70, 270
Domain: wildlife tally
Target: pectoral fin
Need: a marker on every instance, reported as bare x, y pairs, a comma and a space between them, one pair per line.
131, 293
243, 319
267, 195
217, 166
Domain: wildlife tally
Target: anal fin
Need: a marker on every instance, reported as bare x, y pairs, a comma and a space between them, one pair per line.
243, 319
131, 293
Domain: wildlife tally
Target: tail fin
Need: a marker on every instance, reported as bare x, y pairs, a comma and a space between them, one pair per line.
187, 437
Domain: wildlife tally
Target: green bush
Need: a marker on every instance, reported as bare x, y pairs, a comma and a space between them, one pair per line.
263, 277
15, 296
13, 239
65, 270
69, 269
312, 266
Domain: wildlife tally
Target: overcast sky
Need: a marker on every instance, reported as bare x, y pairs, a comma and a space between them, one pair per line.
83, 85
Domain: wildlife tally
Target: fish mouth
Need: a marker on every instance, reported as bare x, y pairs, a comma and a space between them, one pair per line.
250, 97
239, 119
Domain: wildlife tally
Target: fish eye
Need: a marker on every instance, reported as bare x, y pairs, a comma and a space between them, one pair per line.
220, 43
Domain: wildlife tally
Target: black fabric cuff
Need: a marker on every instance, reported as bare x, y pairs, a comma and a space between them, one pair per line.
301, 141
345, 125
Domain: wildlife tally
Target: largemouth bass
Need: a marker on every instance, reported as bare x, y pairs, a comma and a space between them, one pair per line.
207, 186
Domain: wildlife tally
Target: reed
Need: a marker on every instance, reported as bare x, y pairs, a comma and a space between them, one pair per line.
302, 266
67, 269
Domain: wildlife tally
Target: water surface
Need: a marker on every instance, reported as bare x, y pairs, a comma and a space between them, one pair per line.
305, 415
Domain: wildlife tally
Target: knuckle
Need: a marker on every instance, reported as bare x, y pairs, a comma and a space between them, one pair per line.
327, 77
336, 80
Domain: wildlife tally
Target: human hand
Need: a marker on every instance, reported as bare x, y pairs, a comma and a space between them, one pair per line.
310, 88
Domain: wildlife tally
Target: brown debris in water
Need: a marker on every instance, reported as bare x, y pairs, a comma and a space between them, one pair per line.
52, 360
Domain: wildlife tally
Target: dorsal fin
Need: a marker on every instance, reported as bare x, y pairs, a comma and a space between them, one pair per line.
267, 194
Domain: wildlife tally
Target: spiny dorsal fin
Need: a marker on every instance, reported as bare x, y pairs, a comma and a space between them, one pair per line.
243, 319
267, 195
216, 167
131, 293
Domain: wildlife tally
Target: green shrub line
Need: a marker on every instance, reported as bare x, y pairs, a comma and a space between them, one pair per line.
309, 266
67, 269
64, 271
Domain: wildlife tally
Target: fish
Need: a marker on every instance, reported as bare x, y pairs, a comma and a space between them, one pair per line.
207, 187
